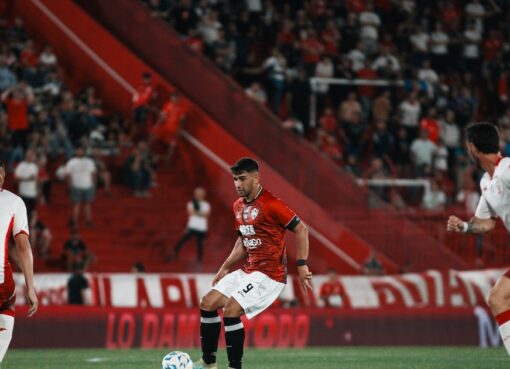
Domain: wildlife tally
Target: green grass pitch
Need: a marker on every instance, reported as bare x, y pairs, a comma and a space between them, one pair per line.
310, 358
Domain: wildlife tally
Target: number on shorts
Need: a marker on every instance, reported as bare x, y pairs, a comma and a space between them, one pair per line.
248, 288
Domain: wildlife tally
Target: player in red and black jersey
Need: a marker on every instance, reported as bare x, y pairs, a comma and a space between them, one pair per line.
261, 220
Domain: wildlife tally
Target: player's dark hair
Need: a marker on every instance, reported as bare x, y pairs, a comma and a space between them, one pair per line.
247, 165
485, 137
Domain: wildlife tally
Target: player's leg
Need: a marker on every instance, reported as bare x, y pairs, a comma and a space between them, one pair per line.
499, 302
234, 333
6, 329
210, 327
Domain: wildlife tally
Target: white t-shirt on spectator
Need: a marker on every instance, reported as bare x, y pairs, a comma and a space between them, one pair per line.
420, 41
474, 11
433, 200
472, 47
386, 61
25, 170
369, 31
428, 75
81, 171
275, 67
324, 70
357, 59
410, 113
441, 161
450, 134
254, 5
196, 222
423, 151
439, 49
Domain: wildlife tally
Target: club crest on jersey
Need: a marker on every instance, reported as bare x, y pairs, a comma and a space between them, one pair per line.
250, 213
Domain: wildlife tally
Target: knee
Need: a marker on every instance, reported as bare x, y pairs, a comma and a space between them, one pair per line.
207, 304
232, 309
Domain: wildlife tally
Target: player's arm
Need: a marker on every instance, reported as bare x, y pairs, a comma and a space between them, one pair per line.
474, 225
26, 263
238, 253
302, 245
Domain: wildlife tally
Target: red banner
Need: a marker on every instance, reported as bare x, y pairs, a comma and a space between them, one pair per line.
179, 328
429, 289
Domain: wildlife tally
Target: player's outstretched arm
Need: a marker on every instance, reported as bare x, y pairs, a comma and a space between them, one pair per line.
473, 226
238, 253
26, 263
302, 244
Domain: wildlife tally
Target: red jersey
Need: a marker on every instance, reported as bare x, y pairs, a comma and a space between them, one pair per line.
261, 224
143, 95
17, 114
332, 292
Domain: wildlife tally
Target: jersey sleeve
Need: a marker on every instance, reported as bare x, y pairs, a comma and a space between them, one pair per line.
283, 215
20, 219
483, 210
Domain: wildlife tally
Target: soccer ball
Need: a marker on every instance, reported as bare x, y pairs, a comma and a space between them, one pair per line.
177, 360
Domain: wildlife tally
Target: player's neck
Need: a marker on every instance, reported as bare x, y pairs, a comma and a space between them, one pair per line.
253, 195
490, 163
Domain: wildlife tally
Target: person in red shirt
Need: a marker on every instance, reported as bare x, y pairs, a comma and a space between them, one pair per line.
142, 100
17, 100
311, 49
328, 121
492, 46
430, 124
171, 118
261, 220
332, 292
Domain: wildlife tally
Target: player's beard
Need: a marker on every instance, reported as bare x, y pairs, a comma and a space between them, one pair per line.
475, 160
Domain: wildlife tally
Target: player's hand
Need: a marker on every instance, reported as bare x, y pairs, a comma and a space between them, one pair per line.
221, 273
455, 224
33, 303
305, 276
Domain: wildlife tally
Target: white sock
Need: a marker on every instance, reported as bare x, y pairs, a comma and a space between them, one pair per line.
504, 331
6, 327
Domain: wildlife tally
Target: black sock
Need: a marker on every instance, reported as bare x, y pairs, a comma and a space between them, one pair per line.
234, 338
210, 327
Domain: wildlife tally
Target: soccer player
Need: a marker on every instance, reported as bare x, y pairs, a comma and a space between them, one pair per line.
261, 220
482, 143
13, 218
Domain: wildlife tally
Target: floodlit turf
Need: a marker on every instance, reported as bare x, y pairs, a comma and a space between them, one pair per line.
311, 358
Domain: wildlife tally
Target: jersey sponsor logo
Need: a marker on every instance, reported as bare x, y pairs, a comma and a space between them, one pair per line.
252, 243
250, 213
247, 230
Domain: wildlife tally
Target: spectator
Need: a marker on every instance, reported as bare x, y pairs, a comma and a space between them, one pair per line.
81, 173
350, 108
330, 146
382, 108
198, 211
357, 57
382, 140
276, 66
7, 77
47, 58
409, 111
427, 74
373, 265
352, 167
441, 158
328, 122
450, 135
294, 125
332, 292
76, 253
370, 22
386, 64
353, 133
257, 93
138, 171
138, 268
439, 42
419, 45
434, 198
172, 117
27, 173
299, 96
324, 69
78, 288
366, 92
142, 100
311, 49
471, 52
422, 152
104, 177
430, 124
40, 237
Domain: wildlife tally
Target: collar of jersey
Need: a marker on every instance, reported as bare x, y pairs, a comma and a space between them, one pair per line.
256, 196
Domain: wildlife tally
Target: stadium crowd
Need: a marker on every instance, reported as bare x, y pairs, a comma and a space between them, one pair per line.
446, 62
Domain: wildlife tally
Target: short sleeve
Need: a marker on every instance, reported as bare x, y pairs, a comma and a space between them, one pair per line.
483, 210
283, 214
92, 166
20, 219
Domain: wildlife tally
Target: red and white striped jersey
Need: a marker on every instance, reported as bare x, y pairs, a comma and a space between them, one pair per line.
13, 220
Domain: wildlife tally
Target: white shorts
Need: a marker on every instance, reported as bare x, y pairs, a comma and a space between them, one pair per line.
255, 292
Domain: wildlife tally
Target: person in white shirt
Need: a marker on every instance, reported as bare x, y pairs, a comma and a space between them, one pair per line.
439, 41
357, 57
423, 150
429, 75
420, 44
386, 64
434, 198
471, 52
198, 211
26, 173
409, 111
370, 22
13, 223
81, 173
482, 143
